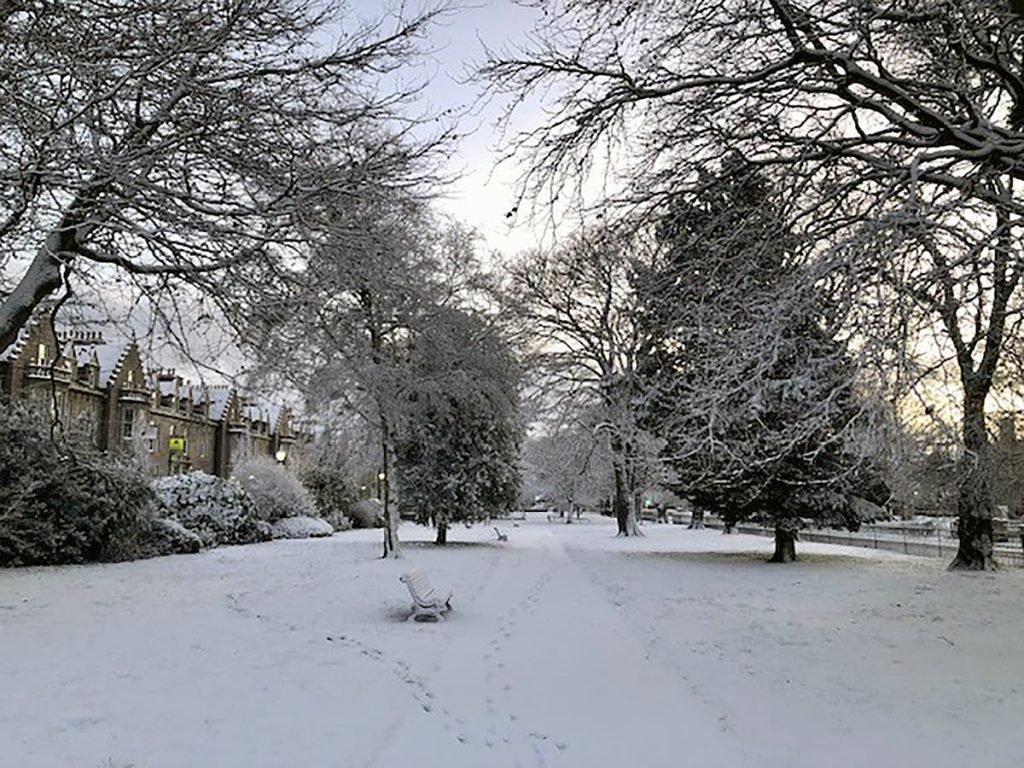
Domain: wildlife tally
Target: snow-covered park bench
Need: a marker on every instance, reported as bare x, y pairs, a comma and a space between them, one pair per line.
427, 602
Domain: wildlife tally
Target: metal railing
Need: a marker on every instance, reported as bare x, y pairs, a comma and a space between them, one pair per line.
910, 540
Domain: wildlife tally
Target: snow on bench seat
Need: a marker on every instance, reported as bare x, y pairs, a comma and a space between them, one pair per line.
427, 602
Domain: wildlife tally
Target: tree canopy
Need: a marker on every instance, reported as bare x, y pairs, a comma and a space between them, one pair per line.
896, 124
457, 449
187, 139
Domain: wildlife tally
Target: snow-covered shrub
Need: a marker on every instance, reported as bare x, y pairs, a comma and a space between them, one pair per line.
275, 491
332, 492
368, 513
169, 537
64, 503
301, 528
219, 511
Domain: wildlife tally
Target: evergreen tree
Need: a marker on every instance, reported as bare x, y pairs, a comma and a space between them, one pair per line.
457, 448
746, 381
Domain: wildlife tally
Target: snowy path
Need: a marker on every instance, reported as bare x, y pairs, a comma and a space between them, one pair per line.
551, 681
567, 648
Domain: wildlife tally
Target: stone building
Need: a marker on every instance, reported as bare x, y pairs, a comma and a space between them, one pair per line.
1008, 464
102, 392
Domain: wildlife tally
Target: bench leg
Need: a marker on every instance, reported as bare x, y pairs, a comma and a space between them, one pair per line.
421, 615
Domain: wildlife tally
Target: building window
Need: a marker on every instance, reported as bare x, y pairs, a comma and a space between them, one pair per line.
152, 437
131, 376
128, 423
41, 354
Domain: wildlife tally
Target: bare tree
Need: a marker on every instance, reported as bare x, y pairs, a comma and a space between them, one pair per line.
954, 265
568, 465
577, 308
184, 139
337, 327
874, 109
342, 321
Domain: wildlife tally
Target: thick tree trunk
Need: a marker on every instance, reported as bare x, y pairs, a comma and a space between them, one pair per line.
976, 551
974, 492
442, 534
974, 497
40, 279
620, 502
633, 517
696, 518
785, 541
632, 526
43, 275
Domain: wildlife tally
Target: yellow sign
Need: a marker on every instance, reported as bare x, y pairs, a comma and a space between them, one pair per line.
176, 444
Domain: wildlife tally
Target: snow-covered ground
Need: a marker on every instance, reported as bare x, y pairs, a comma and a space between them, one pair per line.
567, 647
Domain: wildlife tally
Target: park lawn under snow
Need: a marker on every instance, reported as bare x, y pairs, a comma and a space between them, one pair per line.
567, 647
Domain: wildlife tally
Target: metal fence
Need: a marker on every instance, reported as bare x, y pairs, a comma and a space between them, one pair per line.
909, 540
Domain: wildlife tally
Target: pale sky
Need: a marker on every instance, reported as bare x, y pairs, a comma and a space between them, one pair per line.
483, 195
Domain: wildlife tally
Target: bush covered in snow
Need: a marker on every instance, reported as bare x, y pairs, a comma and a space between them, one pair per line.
301, 528
275, 491
219, 511
169, 537
64, 503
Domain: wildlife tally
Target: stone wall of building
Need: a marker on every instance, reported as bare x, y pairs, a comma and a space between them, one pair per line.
104, 393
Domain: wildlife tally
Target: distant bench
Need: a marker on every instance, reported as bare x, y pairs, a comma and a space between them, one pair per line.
427, 602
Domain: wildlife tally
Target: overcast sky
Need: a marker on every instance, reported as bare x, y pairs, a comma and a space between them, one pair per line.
483, 195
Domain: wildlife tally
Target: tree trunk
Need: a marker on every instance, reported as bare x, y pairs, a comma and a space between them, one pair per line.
632, 518
623, 506
40, 279
974, 497
442, 534
785, 541
392, 546
974, 490
696, 518
620, 502
43, 275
